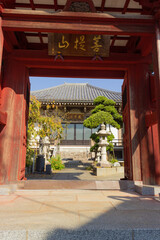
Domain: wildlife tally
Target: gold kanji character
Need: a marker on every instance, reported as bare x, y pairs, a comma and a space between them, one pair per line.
80, 43
76, 43
96, 47
63, 44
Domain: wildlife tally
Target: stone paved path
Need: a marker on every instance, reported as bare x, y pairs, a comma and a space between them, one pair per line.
78, 215
75, 170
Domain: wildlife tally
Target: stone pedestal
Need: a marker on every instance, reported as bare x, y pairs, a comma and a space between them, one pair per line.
108, 171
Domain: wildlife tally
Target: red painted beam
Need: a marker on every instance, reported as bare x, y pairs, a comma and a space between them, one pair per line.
108, 29
41, 38
73, 17
103, 5
40, 64
32, 4
55, 5
39, 46
73, 73
33, 8
113, 40
59, 64
125, 6
118, 49
114, 58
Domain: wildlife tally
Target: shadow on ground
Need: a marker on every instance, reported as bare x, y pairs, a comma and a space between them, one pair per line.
128, 218
73, 170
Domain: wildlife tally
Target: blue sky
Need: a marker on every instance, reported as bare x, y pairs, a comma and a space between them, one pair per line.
38, 83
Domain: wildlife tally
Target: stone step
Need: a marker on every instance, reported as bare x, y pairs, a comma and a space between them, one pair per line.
77, 184
80, 234
101, 234
150, 190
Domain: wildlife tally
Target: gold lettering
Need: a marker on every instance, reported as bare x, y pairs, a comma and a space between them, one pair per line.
63, 44
96, 47
76, 43
80, 43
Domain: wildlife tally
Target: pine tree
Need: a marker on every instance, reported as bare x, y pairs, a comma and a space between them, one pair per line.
104, 112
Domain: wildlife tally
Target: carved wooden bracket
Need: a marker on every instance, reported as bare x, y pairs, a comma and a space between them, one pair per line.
79, 6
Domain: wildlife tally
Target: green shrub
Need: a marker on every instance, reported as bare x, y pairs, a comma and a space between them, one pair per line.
56, 163
29, 157
89, 168
112, 159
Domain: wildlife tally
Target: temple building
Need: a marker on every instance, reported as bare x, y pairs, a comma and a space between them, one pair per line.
75, 102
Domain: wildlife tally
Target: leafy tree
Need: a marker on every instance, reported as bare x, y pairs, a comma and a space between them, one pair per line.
42, 124
104, 112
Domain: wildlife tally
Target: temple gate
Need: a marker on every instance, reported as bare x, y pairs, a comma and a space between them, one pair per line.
133, 27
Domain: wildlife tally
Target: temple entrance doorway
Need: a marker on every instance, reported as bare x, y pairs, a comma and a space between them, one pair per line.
74, 100
121, 41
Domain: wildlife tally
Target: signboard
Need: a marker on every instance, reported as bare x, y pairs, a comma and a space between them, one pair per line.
78, 45
75, 116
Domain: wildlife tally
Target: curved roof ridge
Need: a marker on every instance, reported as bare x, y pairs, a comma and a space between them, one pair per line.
75, 83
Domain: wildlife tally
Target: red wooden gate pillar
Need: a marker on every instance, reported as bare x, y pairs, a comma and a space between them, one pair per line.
1, 47
156, 69
143, 136
133, 117
13, 133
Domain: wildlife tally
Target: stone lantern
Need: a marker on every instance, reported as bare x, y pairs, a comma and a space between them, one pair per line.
103, 143
98, 154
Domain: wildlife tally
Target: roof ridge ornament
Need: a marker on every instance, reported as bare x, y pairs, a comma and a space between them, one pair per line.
79, 6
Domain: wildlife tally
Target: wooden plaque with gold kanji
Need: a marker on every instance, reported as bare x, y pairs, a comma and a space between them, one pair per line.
78, 45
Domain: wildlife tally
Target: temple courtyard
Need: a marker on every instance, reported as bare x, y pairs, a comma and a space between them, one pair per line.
79, 214
75, 204
78, 170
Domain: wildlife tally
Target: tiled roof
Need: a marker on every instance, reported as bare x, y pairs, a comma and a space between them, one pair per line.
75, 92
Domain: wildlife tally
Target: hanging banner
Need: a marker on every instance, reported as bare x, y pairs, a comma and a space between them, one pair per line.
78, 45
